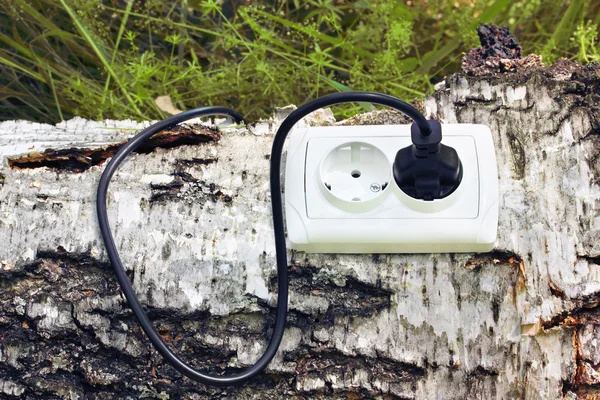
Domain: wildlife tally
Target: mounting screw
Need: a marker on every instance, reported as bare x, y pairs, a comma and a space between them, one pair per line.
375, 187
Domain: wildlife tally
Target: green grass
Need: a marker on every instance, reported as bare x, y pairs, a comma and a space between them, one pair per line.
111, 59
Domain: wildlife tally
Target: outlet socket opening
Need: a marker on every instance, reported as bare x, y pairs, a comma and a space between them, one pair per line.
355, 172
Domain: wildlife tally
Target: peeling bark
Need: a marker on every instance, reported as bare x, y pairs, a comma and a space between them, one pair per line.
193, 226
80, 159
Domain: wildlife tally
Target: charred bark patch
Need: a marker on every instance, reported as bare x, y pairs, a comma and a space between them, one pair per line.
586, 311
69, 160
557, 291
166, 192
354, 298
79, 160
588, 89
493, 257
187, 189
518, 155
53, 281
583, 392
590, 259
332, 367
585, 381
481, 371
194, 162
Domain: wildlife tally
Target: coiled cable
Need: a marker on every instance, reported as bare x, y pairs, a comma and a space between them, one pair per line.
278, 221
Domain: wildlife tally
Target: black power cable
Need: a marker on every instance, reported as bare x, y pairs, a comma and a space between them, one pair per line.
278, 223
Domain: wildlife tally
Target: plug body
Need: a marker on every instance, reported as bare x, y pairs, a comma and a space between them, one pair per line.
341, 195
427, 169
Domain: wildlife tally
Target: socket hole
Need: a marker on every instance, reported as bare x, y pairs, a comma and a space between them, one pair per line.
383, 187
353, 173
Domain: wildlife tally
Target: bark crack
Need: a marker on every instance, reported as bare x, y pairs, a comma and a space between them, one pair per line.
81, 159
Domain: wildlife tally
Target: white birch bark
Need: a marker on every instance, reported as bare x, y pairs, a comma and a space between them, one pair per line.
193, 225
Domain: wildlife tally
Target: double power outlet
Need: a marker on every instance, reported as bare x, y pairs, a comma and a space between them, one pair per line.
341, 195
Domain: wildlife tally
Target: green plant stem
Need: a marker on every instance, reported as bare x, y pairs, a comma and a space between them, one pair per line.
100, 55
116, 48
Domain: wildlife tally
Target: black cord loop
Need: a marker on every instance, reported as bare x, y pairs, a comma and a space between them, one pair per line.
278, 222
113, 255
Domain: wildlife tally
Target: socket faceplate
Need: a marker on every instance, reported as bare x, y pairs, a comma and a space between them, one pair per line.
341, 196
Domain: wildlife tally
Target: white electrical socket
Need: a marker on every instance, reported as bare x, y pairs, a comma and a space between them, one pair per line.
341, 196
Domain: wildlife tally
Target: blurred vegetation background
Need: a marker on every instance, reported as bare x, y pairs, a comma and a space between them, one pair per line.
112, 58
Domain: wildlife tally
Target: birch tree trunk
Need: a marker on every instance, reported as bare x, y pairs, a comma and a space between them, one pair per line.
191, 216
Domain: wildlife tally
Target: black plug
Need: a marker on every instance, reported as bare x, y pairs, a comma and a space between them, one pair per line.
427, 169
